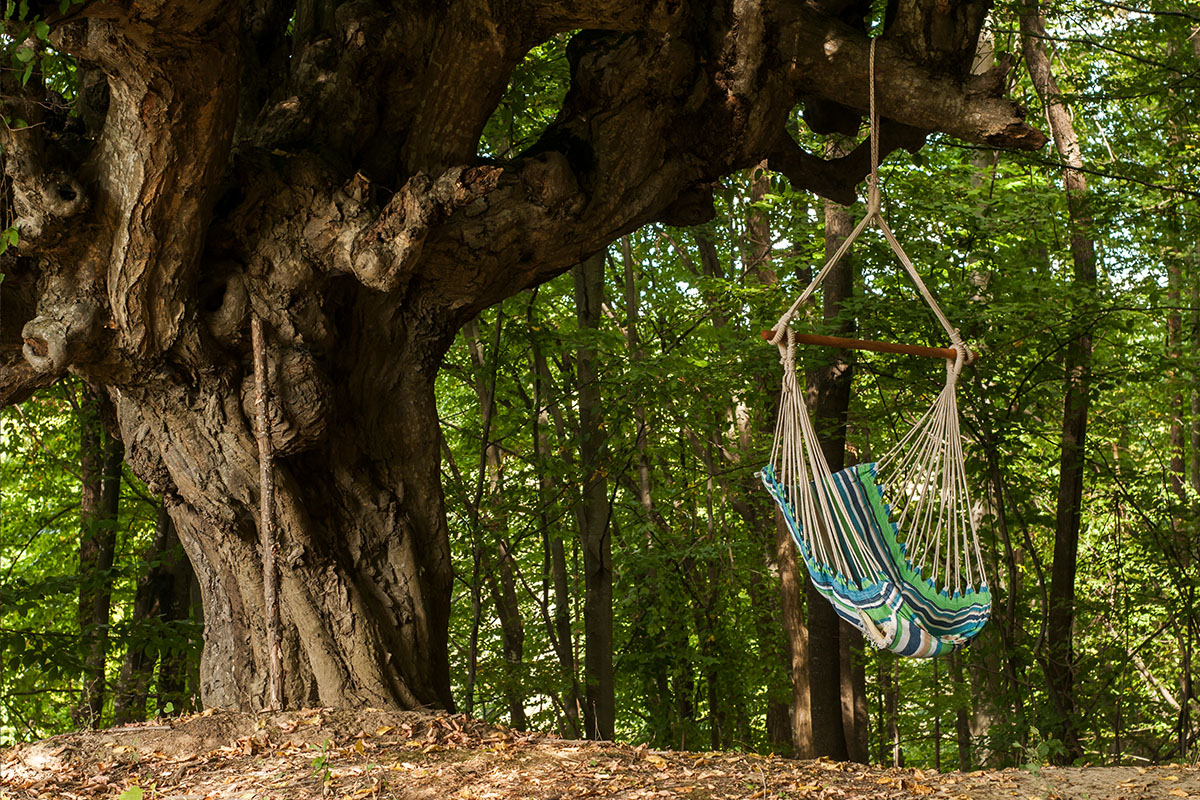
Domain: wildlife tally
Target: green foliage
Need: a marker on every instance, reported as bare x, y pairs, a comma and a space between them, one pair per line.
687, 391
321, 767
535, 93
696, 629
8, 238
39, 580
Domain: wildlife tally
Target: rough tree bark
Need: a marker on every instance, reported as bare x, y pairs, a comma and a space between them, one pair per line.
266, 515
318, 163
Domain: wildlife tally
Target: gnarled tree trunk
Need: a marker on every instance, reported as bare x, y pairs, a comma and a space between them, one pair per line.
319, 164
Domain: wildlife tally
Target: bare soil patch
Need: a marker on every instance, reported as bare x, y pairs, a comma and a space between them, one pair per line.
324, 753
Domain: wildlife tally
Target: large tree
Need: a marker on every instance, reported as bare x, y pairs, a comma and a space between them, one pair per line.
316, 163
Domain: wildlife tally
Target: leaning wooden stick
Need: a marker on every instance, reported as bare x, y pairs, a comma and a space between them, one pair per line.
947, 353
266, 477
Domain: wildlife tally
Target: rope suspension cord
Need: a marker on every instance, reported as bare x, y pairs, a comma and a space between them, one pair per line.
874, 215
894, 545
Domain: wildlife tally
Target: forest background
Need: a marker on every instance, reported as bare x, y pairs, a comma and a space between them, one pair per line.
633, 399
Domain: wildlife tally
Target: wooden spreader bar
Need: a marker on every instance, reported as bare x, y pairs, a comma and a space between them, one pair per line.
947, 353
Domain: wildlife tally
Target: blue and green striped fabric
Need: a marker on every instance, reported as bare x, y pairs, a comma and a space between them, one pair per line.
920, 620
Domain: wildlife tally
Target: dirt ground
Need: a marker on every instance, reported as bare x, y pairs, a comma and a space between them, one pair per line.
321, 753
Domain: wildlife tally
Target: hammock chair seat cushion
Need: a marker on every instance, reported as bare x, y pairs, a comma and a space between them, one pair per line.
896, 608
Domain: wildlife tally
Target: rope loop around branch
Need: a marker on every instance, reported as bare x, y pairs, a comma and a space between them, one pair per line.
874, 215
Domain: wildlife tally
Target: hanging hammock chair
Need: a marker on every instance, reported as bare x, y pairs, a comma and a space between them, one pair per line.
892, 545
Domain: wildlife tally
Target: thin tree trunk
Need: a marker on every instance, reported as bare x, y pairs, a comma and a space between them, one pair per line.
854, 693
936, 712
888, 670
791, 601
825, 678
633, 306
498, 571
565, 639
1177, 470
600, 703
476, 621
1013, 665
829, 389
100, 457
559, 628
129, 699
162, 597
779, 549
502, 585
178, 599
978, 711
1194, 474
962, 722
706, 621
663, 711
1059, 657
852, 657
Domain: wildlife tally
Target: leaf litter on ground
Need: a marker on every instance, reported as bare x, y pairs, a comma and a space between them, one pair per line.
391, 755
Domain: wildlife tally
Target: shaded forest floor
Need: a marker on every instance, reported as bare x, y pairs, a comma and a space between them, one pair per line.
221, 755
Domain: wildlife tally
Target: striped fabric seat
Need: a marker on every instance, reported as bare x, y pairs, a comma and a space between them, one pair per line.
880, 562
895, 607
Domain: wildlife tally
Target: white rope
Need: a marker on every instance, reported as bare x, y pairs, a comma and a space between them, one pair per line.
923, 474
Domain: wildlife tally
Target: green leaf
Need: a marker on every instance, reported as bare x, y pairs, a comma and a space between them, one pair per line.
41, 30
8, 238
132, 793
25, 54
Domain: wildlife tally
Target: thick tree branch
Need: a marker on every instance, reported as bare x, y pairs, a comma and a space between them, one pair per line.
343, 228
44, 196
18, 304
829, 60
837, 178
646, 121
649, 123
163, 150
385, 251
